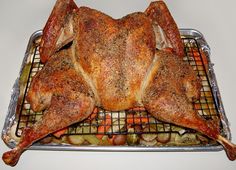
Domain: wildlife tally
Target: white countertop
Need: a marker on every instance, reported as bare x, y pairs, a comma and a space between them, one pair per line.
214, 18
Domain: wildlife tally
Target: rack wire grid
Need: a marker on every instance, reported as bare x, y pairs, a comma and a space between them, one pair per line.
119, 122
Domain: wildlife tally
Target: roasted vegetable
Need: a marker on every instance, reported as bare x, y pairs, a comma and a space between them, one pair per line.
136, 119
149, 134
104, 126
105, 141
133, 138
46, 140
183, 140
61, 132
75, 139
92, 139
202, 139
119, 139
148, 143
163, 137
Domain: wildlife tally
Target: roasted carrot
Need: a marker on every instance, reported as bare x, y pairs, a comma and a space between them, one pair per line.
135, 119
204, 58
60, 132
104, 126
111, 139
197, 55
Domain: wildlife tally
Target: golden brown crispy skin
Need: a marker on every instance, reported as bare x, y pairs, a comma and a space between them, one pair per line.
115, 54
111, 64
64, 94
58, 77
168, 98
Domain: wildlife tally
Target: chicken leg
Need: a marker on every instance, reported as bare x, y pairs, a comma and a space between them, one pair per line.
169, 100
64, 95
62, 113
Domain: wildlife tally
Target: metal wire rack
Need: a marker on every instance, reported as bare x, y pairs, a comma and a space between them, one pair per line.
110, 123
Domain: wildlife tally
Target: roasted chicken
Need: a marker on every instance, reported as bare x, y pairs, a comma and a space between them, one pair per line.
116, 64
